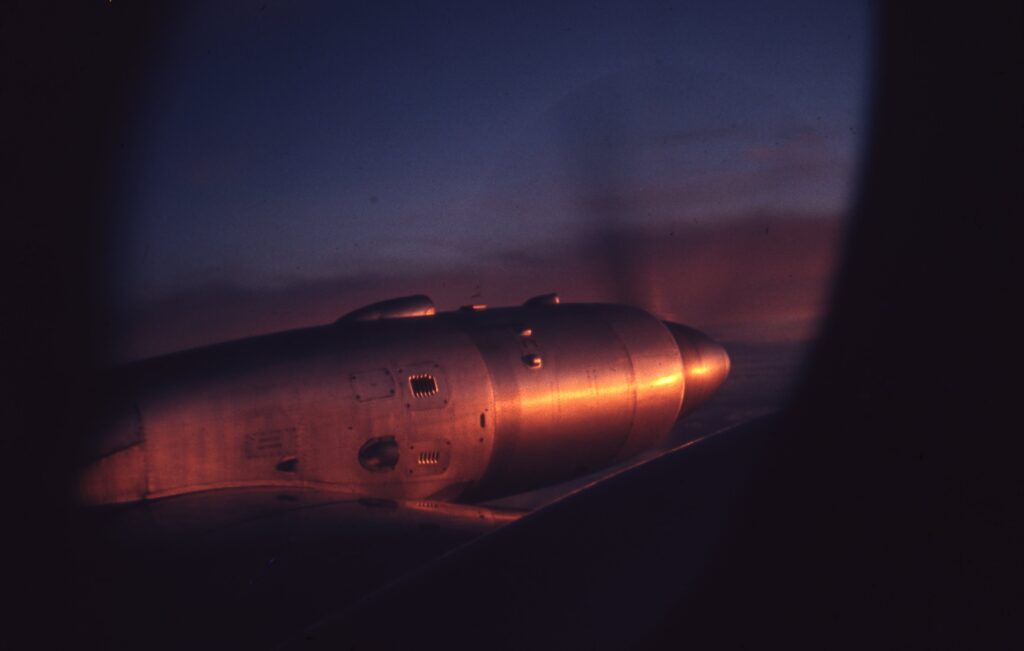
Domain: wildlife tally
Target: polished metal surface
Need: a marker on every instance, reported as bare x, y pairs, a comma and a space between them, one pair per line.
610, 386
395, 308
705, 364
460, 405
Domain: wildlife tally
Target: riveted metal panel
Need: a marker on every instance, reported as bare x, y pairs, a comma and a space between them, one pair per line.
570, 415
374, 384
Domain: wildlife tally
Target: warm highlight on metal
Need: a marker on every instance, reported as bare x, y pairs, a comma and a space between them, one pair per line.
398, 402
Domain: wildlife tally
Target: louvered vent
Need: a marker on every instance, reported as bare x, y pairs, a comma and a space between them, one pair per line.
423, 385
431, 458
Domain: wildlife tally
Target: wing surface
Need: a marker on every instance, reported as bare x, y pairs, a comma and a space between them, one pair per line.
247, 567
600, 568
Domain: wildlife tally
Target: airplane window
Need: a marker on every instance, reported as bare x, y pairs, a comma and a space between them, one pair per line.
287, 163
275, 165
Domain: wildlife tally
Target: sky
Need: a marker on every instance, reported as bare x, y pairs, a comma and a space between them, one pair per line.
460, 149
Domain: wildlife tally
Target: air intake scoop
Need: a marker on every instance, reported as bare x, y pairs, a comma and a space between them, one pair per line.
395, 308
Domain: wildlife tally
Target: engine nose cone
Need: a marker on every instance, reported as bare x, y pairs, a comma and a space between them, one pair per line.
705, 365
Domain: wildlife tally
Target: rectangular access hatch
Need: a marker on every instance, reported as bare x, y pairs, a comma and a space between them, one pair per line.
373, 385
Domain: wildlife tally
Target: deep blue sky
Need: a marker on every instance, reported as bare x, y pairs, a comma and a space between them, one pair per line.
292, 142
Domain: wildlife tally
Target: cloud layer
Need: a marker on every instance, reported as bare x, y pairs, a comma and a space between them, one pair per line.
760, 278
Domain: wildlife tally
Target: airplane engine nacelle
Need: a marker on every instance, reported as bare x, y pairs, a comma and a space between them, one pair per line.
395, 401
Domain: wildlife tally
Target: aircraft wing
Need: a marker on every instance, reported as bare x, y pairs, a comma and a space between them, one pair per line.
249, 567
600, 568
